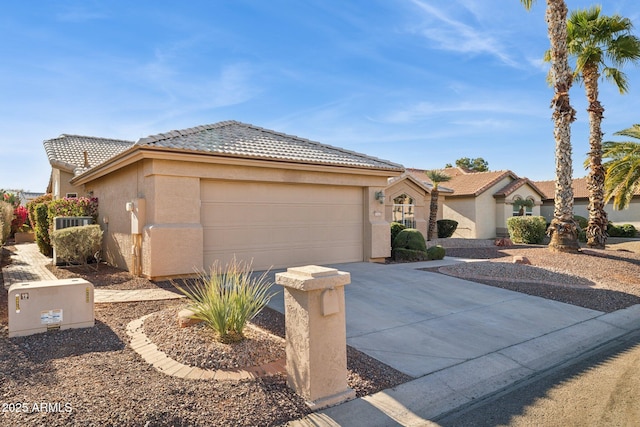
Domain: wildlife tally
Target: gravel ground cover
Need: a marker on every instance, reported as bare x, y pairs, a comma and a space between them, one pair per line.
91, 377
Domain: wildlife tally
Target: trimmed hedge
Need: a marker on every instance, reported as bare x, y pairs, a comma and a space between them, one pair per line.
527, 229
77, 244
6, 216
446, 228
435, 252
409, 245
43, 209
396, 228
410, 238
624, 230
41, 228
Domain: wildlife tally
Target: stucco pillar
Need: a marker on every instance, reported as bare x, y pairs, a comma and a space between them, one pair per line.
377, 231
316, 336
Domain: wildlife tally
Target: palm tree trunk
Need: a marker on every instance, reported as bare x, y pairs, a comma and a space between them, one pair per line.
563, 229
597, 226
433, 213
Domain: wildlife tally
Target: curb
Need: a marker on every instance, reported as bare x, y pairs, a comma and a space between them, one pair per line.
163, 363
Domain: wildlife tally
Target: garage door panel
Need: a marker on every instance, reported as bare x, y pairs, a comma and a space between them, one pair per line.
281, 225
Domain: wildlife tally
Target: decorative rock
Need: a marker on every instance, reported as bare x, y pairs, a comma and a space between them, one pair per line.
186, 319
519, 259
504, 242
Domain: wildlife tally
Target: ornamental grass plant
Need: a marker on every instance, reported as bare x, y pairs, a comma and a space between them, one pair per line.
227, 298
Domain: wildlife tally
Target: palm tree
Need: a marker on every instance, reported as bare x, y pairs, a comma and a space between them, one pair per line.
436, 178
601, 44
563, 229
622, 178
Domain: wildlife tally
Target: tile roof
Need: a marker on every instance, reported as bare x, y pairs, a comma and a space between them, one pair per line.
466, 183
235, 139
580, 189
67, 151
517, 183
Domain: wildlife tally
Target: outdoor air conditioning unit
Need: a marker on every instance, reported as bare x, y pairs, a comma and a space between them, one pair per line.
36, 307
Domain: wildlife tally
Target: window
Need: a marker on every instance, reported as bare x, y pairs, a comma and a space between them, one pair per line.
404, 211
523, 207
72, 195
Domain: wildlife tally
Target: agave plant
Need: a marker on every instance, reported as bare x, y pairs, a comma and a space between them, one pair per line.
227, 298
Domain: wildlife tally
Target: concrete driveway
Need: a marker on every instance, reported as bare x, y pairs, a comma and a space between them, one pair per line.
461, 340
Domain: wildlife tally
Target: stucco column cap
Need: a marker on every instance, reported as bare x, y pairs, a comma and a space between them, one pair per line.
312, 277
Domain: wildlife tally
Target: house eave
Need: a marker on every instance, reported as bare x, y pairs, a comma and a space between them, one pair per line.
138, 153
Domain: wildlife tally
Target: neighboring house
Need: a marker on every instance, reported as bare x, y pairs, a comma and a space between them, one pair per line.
481, 202
631, 215
407, 200
69, 155
175, 202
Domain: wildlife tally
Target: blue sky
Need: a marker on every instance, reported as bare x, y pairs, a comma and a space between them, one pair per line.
417, 82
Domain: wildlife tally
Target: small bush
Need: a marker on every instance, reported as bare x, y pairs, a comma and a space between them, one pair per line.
77, 244
6, 216
628, 230
446, 228
435, 252
582, 223
410, 238
624, 230
409, 255
527, 229
396, 228
41, 228
227, 299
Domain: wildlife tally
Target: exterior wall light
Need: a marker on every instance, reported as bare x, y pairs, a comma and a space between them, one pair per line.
379, 195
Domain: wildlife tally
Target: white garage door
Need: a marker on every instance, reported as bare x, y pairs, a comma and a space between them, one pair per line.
281, 225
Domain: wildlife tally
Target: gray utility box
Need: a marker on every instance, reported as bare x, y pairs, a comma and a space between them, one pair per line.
47, 305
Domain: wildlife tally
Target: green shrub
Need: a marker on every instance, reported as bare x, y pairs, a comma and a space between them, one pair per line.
446, 228
31, 207
396, 228
624, 230
409, 255
81, 206
582, 231
527, 229
77, 244
435, 252
41, 228
227, 299
628, 230
6, 216
410, 238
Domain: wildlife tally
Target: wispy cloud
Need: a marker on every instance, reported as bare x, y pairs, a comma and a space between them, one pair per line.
450, 34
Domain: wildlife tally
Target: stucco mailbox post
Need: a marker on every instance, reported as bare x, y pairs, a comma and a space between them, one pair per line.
316, 334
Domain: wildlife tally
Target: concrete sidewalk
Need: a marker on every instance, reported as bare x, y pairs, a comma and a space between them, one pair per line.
460, 340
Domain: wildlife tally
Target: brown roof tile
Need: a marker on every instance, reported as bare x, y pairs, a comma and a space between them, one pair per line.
467, 183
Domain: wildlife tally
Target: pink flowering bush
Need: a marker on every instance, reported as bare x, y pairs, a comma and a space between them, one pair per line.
20, 219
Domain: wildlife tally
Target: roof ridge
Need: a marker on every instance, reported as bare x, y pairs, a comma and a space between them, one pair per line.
68, 135
152, 139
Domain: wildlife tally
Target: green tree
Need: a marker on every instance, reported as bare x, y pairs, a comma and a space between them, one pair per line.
563, 228
473, 165
436, 178
601, 45
622, 179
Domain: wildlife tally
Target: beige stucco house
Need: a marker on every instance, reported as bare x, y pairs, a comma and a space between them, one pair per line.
407, 200
630, 215
178, 201
481, 202
71, 154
